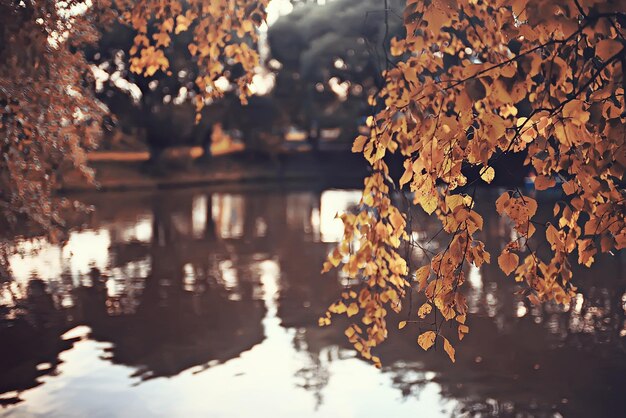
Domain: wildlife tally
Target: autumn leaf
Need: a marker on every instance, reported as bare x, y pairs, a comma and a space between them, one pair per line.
429, 203
426, 340
407, 176
359, 143
182, 24
552, 235
352, 310
401, 324
421, 276
508, 261
501, 203
544, 182
449, 349
463, 330
396, 219
607, 48
546, 106
424, 310
487, 174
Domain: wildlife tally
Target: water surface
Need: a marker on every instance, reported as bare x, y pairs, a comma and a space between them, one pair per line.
205, 303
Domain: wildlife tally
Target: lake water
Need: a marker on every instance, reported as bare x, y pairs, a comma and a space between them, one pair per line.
205, 303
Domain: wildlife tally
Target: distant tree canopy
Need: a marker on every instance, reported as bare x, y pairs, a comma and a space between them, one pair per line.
479, 80
167, 68
330, 59
157, 109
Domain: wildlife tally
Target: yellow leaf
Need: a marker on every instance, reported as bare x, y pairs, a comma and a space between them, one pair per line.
449, 349
426, 340
396, 219
349, 332
408, 174
353, 309
508, 261
424, 310
182, 24
452, 201
401, 324
487, 174
429, 203
246, 25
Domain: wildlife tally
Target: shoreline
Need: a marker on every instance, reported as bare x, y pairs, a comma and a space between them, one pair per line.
323, 168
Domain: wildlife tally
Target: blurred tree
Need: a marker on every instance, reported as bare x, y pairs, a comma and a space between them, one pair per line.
162, 106
48, 112
329, 58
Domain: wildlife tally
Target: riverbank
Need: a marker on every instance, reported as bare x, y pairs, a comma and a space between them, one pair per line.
117, 172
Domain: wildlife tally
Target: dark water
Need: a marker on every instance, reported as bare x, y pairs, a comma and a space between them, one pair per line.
199, 303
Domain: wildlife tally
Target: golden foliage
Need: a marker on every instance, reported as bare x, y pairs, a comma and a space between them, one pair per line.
49, 114
222, 31
476, 81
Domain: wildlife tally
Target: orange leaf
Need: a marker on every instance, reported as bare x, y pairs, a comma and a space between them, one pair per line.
544, 182
607, 48
508, 261
408, 174
359, 143
421, 276
463, 329
502, 202
424, 310
449, 349
426, 340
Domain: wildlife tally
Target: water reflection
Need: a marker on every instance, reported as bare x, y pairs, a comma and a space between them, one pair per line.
187, 302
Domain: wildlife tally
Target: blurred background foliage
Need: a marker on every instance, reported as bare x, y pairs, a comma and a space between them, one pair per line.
320, 61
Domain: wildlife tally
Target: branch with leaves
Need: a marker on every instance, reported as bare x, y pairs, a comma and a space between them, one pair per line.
476, 82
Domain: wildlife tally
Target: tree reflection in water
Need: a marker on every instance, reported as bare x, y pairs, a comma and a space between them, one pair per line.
191, 279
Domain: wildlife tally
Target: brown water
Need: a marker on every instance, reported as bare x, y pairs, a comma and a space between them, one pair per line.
206, 304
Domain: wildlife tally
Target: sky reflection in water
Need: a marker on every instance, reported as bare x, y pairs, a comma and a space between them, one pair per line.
210, 307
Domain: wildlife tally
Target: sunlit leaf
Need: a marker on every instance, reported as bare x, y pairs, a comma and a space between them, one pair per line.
424, 310
426, 339
487, 174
